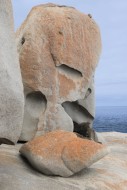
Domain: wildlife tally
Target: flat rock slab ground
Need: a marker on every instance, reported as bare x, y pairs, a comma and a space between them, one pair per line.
109, 173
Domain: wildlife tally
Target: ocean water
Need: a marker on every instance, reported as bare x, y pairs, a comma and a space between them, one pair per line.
113, 118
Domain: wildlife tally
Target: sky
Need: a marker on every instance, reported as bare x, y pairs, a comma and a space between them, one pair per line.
111, 16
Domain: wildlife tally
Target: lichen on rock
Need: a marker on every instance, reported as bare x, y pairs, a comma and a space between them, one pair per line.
59, 48
62, 153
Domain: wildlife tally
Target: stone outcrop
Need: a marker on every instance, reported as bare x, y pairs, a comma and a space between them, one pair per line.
109, 173
59, 49
11, 88
62, 153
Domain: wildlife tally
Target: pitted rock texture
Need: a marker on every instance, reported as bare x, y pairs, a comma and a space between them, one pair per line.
59, 49
88, 103
82, 111
62, 153
11, 88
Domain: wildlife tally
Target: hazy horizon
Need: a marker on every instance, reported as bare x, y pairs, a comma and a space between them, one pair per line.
111, 16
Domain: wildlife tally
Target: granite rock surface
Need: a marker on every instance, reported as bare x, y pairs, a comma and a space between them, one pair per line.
62, 153
59, 48
109, 173
11, 87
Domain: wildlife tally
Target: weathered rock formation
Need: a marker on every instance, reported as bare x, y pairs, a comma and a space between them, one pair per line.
62, 153
109, 173
11, 88
59, 49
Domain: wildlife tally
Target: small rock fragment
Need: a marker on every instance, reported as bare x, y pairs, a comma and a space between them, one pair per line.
90, 15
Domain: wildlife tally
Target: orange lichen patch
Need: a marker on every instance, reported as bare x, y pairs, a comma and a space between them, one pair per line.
70, 38
53, 140
80, 153
65, 150
66, 85
83, 149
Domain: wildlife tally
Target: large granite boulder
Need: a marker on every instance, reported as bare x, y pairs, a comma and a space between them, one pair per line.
62, 153
59, 49
11, 88
109, 173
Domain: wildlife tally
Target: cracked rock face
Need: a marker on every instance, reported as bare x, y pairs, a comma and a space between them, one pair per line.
59, 49
11, 88
62, 153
